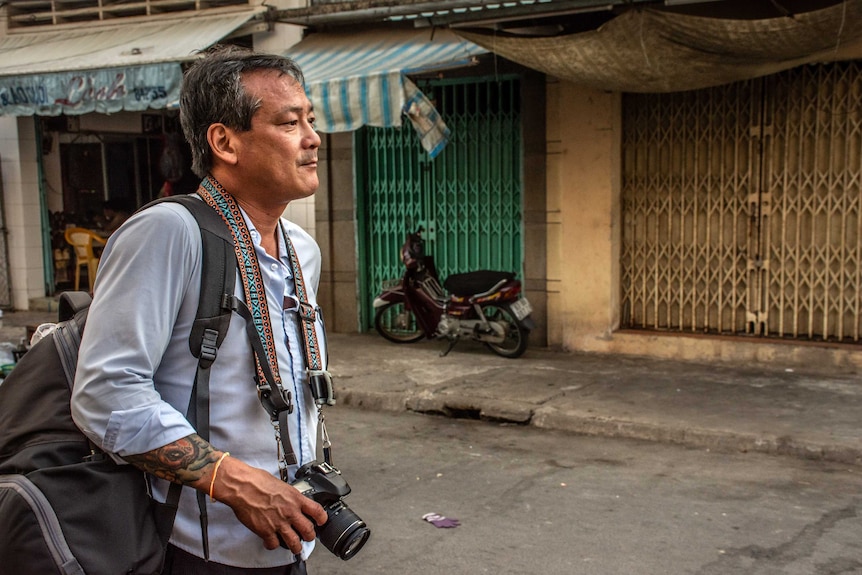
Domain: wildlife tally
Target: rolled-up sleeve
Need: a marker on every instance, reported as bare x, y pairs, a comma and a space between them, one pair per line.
140, 297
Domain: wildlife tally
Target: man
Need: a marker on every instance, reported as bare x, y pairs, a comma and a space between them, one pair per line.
251, 130
115, 213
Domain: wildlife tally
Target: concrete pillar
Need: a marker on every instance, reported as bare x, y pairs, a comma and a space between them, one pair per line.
21, 206
335, 212
583, 214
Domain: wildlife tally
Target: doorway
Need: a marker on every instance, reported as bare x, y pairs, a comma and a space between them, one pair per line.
742, 207
468, 200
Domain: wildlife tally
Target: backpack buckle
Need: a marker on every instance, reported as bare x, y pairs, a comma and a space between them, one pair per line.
209, 348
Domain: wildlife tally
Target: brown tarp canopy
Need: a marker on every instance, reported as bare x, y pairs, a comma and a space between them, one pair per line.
650, 50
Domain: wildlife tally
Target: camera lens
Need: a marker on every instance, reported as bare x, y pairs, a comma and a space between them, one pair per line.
344, 533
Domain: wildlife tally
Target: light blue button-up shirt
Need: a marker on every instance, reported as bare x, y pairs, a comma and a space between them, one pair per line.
135, 368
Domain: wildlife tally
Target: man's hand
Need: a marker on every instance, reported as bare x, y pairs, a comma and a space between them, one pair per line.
266, 505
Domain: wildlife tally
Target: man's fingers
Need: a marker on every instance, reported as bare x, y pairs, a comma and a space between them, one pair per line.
302, 525
314, 511
272, 542
289, 540
295, 530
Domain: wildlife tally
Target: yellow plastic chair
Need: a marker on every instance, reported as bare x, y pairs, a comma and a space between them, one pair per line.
82, 241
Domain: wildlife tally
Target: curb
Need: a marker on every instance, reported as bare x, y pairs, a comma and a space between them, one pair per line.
710, 439
550, 418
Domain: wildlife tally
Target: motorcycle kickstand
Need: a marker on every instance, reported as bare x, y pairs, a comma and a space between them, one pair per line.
452, 342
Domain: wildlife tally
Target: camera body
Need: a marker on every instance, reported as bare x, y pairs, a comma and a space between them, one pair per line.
344, 533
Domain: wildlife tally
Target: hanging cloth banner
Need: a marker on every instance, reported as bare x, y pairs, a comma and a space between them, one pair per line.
432, 130
134, 89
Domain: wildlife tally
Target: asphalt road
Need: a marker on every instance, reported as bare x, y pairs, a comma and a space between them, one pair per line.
537, 501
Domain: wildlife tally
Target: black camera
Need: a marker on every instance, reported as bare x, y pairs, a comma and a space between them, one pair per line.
344, 533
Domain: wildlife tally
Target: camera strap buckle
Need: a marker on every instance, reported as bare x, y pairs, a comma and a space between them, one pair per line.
327, 444
274, 401
307, 311
321, 386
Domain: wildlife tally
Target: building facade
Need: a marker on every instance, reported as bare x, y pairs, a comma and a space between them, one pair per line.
653, 202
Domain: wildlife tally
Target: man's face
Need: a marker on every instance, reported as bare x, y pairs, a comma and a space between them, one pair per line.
278, 155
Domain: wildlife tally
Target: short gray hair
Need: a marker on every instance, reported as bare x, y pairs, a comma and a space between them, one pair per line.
212, 92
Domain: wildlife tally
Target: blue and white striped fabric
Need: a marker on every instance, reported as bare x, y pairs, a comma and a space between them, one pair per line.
358, 79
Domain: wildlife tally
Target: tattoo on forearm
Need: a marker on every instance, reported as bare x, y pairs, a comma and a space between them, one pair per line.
182, 461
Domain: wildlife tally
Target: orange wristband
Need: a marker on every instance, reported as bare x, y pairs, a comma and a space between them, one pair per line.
215, 471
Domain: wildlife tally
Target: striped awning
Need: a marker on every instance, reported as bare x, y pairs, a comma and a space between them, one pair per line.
105, 68
361, 78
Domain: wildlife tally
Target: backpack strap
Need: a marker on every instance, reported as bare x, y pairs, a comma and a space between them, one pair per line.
214, 308
218, 278
71, 302
67, 335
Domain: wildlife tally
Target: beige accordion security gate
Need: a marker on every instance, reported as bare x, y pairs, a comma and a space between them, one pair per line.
742, 207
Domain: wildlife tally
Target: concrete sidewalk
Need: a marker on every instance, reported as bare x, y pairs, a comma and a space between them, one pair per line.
810, 412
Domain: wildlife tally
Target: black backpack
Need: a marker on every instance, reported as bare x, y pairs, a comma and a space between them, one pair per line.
51, 474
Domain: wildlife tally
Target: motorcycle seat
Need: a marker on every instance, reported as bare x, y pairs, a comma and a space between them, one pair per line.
472, 283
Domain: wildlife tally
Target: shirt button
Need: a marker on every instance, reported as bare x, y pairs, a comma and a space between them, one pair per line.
273, 267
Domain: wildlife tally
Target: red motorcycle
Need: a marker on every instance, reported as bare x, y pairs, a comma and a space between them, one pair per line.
485, 306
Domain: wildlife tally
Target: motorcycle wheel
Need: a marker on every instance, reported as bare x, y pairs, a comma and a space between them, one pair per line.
515, 342
397, 324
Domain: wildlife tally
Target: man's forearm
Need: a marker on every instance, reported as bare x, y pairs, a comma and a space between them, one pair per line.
184, 461
265, 504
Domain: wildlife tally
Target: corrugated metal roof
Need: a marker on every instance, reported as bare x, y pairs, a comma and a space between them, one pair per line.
116, 46
442, 13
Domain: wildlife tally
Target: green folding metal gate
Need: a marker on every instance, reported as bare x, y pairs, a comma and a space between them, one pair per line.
468, 199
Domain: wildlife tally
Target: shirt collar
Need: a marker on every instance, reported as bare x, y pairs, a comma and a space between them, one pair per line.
282, 246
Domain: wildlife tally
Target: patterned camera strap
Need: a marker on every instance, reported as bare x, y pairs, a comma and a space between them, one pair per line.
255, 296
252, 280
307, 314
